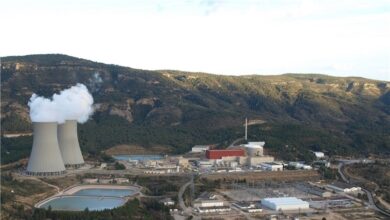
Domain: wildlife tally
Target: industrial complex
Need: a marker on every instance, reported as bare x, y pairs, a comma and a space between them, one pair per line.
251, 183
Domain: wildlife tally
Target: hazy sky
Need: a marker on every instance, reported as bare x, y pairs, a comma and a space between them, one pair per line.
340, 37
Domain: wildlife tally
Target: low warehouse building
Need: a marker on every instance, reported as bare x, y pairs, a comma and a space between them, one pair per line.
200, 148
284, 203
271, 166
343, 187
208, 203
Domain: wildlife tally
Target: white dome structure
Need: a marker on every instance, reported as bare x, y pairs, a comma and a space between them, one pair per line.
45, 158
69, 144
254, 149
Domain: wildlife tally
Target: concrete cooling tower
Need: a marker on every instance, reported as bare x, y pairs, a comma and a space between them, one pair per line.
45, 158
69, 144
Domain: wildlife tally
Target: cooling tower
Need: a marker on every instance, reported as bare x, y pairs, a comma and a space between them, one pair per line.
45, 158
69, 144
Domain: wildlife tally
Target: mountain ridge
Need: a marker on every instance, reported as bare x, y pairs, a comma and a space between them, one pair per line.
353, 113
60, 57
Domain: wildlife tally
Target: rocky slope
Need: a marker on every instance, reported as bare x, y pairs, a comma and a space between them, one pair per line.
312, 111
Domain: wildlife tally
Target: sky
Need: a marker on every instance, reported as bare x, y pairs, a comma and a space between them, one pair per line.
234, 37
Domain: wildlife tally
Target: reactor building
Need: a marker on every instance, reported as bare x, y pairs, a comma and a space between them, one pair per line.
255, 149
45, 158
69, 144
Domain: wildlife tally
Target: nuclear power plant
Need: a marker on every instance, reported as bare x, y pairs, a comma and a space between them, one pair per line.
45, 158
55, 146
69, 144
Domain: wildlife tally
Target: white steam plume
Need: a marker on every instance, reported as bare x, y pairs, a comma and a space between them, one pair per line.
74, 103
44, 110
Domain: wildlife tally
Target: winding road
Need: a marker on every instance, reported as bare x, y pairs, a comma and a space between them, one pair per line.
187, 210
371, 202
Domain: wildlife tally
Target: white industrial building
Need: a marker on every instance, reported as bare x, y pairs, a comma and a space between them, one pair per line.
213, 209
247, 207
208, 203
210, 206
300, 166
318, 154
45, 158
343, 187
200, 148
167, 202
69, 144
205, 163
271, 166
254, 161
285, 203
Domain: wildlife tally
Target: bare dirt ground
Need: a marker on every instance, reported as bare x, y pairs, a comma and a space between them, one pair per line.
63, 182
136, 149
253, 176
331, 215
384, 203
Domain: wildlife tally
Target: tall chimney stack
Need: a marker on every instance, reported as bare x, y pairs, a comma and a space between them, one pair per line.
45, 158
246, 128
69, 144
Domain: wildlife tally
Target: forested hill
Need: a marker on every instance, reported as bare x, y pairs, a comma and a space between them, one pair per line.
179, 109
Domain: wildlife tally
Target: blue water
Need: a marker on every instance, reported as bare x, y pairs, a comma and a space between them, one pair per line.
104, 192
79, 203
94, 199
138, 157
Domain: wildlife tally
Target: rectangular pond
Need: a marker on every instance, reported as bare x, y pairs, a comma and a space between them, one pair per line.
138, 157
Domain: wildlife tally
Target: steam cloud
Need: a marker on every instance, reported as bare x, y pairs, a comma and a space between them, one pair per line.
74, 103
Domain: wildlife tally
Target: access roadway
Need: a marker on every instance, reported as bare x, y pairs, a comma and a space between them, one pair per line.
347, 179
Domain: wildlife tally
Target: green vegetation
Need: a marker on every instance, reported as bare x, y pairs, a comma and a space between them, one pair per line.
342, 116
119, 166
378, 172
13, 149
133, 209
15, 123
328, 173
158, 185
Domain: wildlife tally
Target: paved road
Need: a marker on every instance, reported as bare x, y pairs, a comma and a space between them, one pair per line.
186, 210
234, 142
339, 168
370, 197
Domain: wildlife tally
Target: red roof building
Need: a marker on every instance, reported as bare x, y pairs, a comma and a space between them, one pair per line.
218, 154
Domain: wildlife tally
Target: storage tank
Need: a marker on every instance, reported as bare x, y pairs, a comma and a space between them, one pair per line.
45, 158
69, 144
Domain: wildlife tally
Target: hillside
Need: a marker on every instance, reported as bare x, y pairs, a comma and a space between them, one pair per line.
178, 109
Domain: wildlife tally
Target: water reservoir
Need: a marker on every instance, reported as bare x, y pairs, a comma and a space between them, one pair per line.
80, 203
92, 198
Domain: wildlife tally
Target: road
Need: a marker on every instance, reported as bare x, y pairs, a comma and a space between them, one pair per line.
187, 210
234, 142
371, 202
